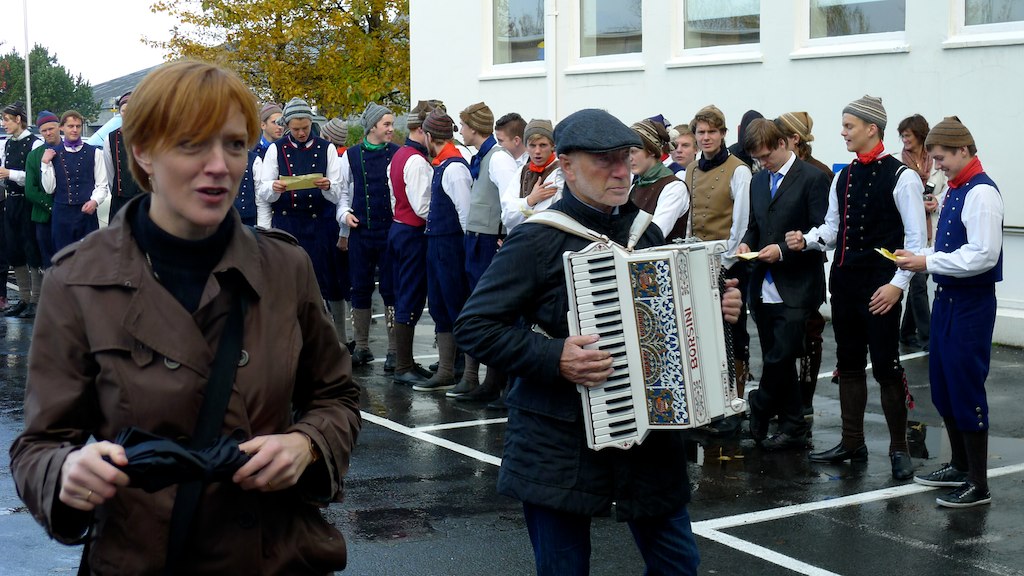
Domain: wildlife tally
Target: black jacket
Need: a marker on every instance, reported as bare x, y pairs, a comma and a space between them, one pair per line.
546, 460
800, 203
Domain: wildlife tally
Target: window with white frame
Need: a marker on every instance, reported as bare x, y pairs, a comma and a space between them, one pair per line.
836, 18
983, 12
711, 23
518, 31
610, 27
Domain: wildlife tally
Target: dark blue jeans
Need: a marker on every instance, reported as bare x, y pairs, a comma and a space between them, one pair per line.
561, 542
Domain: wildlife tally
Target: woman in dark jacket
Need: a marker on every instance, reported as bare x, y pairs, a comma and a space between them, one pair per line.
128, 327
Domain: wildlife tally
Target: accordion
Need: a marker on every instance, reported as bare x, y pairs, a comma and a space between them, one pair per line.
658, 313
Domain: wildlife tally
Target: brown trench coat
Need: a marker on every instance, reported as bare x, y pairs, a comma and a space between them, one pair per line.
112, 348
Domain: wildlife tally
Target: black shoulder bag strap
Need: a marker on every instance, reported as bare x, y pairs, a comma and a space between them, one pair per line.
208, 426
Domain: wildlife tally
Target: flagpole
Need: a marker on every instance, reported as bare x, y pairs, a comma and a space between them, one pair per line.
28, 82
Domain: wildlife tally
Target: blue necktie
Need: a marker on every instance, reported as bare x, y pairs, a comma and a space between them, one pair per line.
776, 178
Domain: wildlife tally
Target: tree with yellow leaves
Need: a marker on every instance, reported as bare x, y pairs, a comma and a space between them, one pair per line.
337, 54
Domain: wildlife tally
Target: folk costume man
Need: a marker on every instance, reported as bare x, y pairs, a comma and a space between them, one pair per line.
42, 203
656, 190
450, 188
74, 173
20, 246
492, 169
719, 185
785, 286
409, 178
366, 199
510, 132
271, 126
536, 185
966, 262
875, 202
546, 464
684, 150
308, 214
123, 186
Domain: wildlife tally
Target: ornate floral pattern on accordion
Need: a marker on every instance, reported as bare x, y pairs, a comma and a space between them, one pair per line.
658, 312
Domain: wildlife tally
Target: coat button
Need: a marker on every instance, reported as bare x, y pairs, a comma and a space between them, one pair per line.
243, 359
171, 364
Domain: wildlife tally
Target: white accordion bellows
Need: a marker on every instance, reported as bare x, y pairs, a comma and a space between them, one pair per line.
658, 312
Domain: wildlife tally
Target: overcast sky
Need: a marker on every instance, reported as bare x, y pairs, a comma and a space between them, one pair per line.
99, 39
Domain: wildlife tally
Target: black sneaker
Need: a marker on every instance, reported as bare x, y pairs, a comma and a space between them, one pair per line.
434, 384
945, 476
361, 356
965, 496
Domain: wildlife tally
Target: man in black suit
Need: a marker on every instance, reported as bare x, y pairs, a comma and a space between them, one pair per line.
785, 285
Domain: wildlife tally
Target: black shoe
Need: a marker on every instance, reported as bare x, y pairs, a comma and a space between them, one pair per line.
783, 441
481, 393
361, 356
902, 466
435, 384
28, 312
726, 427
421, 371
840, 454
967, 495
410, 378
15, 309
389, 363
463, 387
757, 428
945, 476
497, 404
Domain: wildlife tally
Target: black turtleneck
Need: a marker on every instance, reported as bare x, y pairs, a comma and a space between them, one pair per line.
182, 266
708, 164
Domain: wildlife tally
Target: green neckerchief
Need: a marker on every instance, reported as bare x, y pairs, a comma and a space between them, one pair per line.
373, 147
657, 172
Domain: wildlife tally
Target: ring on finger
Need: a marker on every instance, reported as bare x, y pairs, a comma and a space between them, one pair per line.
87, 496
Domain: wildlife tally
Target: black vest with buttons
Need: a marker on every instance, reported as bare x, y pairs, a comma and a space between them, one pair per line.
122, 183
306, 158
15, 155
868, 217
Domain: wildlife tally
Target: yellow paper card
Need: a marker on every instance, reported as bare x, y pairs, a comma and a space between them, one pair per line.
748, 255
301, 182
889, 255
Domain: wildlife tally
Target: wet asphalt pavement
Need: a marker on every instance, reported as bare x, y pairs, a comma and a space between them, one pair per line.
420, 496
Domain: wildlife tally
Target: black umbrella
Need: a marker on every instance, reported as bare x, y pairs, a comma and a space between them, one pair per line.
155, 462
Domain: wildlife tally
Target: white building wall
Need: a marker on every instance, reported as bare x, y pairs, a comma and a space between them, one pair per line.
924, 70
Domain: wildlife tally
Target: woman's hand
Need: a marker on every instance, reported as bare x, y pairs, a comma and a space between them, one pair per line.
87, 480
277, 461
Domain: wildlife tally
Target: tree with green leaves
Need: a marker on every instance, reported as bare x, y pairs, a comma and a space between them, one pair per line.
53, 87
337, 54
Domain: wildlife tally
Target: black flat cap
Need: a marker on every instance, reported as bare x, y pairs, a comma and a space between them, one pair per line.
595, 131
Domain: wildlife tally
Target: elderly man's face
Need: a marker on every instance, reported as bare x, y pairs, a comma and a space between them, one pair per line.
600, 180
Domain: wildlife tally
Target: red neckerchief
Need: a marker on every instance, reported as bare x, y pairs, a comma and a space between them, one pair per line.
448, 151
540, 169
872, 155
972, 169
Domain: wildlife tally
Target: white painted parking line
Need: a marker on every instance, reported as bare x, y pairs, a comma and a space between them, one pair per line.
766, 554
420, 435
904, 357
711, 529
465, 424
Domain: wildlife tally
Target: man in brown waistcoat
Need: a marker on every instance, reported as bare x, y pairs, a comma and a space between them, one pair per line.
719, 185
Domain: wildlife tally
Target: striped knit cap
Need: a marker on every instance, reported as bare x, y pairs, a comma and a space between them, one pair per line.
654, 136
439, 125
950, 133
798, 123
297, 108
373, 113
45, 117
335, 131
416, 116
478, 117
269, 110
539, 127
868, 109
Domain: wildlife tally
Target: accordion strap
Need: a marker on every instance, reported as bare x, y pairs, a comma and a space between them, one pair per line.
570, 225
